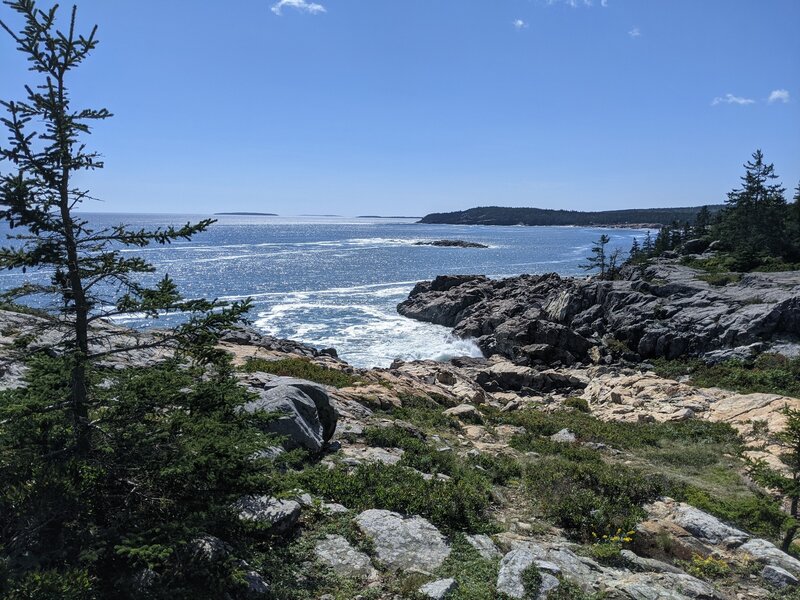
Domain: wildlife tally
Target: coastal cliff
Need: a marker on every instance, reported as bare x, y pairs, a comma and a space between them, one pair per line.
663, 310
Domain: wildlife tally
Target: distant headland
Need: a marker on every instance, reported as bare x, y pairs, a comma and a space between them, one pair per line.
246, 214
646, 218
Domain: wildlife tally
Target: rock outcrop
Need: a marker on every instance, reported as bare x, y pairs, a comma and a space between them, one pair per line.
691, 532
304, 414
666, 310
336, 552
452, 244
404, 543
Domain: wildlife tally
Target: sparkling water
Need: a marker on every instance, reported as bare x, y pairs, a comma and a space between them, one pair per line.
336, 282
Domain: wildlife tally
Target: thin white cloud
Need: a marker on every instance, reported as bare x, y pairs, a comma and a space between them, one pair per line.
731, 99
519, 24
604, 3
635, 32
779, 96
301, 5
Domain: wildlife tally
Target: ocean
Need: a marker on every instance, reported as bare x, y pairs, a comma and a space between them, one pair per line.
335, 281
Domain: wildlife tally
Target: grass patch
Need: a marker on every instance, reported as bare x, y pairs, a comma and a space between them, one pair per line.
758, 514
588, 491
301, 368
720, 279
455, 505
476, 576
769, 373
424, 413
418, 454
591, 498
578, 404
620, 435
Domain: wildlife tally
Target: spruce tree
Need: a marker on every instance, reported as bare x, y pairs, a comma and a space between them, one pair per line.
598, 259
786, 480
702, 222
45, 150
635, 250
105, 488
753, 222
648, 247
793, 225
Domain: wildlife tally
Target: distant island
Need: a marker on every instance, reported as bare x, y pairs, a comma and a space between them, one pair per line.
451, 244
636, 217
247, 214
385, 217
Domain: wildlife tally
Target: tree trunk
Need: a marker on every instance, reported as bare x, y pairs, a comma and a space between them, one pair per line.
792, 531
79, 387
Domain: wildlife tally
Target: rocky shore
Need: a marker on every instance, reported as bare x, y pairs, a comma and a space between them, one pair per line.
554, 346
664, 310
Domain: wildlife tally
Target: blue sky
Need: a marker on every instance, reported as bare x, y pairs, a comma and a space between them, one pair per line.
414, 106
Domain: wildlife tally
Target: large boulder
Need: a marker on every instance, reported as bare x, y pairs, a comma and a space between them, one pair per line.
304, 414
280, 515
404, 543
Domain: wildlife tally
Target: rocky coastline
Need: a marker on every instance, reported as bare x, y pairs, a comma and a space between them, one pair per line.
663, 310
552, 344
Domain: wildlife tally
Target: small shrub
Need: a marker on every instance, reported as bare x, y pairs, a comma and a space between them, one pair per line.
531, 581
418, 454
759, 514
607, 549
707, 568
591, 496
617, 347
424, 413
579, 404
769, 374
454, 505
301, 368
476, 576
67, 585
720, 279
500, 468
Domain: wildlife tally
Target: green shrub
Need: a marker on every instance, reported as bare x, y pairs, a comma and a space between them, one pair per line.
720, 279
499, 468
707, 568
170, 454
423, 412
769, 373
417, 454
455, 505
476, 576
528, 442
590, 497
759, 514
579, 404
302, 368
531, 581
62, 585
620, 435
